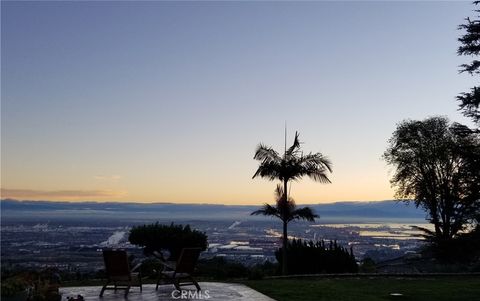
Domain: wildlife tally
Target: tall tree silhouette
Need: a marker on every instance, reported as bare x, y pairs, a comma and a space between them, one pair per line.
470, 46
286, 210
293, 165
437, 167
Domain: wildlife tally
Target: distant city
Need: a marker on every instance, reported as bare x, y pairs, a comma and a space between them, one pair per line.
70, 236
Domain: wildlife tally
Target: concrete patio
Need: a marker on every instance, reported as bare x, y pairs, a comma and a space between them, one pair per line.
213, 291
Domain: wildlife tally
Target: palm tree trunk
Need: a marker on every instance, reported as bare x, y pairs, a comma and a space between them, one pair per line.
284, 249
285, 234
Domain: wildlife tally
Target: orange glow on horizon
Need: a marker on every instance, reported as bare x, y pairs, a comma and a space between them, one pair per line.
309, 193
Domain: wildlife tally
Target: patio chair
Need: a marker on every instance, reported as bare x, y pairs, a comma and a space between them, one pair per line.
180, 274
119, 274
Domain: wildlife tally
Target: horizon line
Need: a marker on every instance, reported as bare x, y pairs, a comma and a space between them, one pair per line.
181, 203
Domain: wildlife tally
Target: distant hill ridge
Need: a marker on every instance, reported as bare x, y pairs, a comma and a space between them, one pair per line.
377, 209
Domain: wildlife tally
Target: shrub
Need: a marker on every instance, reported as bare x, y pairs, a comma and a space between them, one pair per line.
173, 238
315, 257
465, 248
220, 269
368, 265
261, 270
12, 286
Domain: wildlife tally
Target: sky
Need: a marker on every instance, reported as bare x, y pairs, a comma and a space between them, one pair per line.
167, 101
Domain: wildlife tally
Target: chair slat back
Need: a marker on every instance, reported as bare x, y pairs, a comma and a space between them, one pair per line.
187, 260
116, 264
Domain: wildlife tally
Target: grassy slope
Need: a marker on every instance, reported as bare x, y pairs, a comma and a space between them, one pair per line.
435, 289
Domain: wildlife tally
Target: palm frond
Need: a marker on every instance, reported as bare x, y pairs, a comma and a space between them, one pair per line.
285, 208
305, 213
266, 153
270, 170
427, 234
270, 162
295, 146
316, 166
316, 160
267, 210
284, 205
278, 191
319, 176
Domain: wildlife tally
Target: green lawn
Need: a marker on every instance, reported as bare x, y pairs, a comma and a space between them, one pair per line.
342, 289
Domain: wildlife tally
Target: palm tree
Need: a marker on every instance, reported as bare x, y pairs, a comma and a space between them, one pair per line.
293, 165
286, 210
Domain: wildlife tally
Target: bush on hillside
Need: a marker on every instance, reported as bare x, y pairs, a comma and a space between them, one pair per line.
218, 268
309, 257
173, 238
465, 248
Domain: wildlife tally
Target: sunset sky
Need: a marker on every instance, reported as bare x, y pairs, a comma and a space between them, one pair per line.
166, 101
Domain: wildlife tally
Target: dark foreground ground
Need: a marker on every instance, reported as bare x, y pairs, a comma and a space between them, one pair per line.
212, 291
371, 289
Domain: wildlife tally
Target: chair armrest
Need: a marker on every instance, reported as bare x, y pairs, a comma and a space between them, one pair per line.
170, 265
137, 266
158, 255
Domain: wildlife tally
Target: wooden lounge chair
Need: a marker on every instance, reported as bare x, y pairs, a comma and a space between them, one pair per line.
119, 275
180, 274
